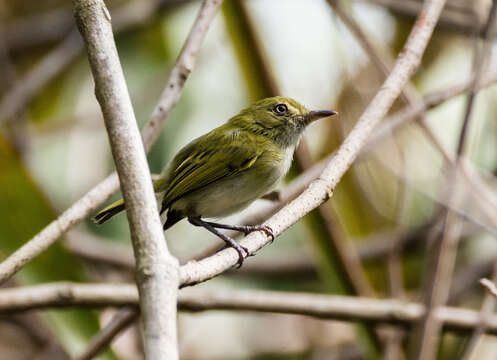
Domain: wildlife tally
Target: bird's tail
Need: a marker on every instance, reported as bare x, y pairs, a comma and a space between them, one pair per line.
109, 211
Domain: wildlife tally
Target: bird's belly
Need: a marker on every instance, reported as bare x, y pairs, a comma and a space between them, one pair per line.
229, 195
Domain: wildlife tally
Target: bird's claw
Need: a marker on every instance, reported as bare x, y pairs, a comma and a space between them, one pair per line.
243, 253
265, 228
269, 232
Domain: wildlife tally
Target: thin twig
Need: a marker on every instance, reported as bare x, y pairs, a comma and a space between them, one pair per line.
467, 279
156, 269
347, 308
490, 286
426, 339
486, 310
119, 322
101, 192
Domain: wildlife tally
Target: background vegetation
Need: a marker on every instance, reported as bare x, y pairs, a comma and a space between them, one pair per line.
377, 236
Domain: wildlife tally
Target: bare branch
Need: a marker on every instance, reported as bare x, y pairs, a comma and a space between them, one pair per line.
156, 270
490, 286
100, 193
486, 310
467, 280
346, 308
184, 66
119, 322
72, 216
321, 189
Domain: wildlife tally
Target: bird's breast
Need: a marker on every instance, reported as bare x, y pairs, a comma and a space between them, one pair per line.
235, 193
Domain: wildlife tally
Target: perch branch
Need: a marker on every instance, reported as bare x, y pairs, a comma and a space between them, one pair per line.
321, 189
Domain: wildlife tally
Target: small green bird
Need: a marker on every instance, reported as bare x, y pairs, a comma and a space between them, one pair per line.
225, 170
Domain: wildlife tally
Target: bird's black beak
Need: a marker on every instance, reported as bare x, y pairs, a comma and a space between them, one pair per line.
315, 115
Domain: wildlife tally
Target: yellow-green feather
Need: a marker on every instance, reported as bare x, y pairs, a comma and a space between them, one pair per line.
234, 151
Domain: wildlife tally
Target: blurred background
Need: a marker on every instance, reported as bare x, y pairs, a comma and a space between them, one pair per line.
376, 237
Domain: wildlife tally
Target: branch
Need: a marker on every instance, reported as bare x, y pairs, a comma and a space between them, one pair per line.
346, 308
490, 286
321, 189
119, 322
465, 282
100, 193
400, 118
486, 310
156, 270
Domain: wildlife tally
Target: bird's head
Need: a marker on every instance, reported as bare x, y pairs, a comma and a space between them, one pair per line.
280, 118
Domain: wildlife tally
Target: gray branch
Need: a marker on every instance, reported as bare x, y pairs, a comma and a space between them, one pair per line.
346, 308
321, 189
156, 270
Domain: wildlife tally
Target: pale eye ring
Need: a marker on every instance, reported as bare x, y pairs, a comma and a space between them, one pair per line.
280, 109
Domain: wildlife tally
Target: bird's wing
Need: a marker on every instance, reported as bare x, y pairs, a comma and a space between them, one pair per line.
233, 153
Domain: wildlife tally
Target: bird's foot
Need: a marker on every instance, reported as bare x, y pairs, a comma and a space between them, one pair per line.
242, 251
264, 228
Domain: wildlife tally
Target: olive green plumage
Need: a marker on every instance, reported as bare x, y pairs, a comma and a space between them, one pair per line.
226, 169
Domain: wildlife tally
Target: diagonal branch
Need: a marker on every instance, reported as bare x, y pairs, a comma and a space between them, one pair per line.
101, 192
321, 189
156, 270
119, 322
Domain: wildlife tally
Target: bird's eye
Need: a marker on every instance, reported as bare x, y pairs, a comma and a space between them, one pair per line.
280, 109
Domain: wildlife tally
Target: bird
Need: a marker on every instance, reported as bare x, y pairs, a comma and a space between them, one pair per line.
224, 171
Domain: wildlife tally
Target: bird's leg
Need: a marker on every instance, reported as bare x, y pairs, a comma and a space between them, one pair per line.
241, 250
246, 229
